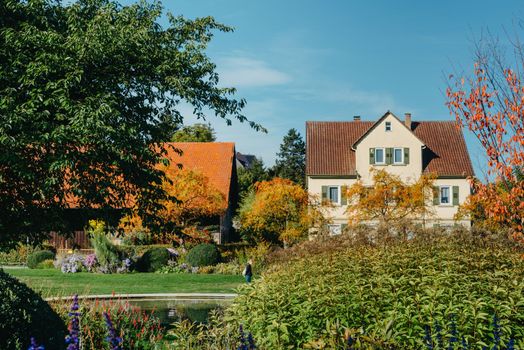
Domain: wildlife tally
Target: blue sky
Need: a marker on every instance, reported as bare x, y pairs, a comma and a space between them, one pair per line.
299, 60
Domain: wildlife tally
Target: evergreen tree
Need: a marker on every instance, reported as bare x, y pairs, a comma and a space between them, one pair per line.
247, 177
291, 160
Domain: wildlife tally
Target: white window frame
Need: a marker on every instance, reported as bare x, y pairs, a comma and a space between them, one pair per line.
401, 156
386, 126
329, 187
450, 195
337, 227
383, 156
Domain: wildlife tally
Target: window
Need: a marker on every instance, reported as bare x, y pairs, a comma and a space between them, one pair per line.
398, 156
379, 156
335, 229
333, 194
445, 195
388, 126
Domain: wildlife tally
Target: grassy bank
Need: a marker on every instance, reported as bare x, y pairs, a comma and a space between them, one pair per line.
52, 282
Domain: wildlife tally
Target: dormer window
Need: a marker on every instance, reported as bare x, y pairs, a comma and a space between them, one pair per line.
388, 126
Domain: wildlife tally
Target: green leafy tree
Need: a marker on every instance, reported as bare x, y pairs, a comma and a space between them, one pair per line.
248, 177
291, 160
195, 133
86, 89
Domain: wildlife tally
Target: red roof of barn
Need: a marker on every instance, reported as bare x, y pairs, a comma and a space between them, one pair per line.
213, 159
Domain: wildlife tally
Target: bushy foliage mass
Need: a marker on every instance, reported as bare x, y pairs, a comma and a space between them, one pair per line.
388, 293
153, 260
39, 256
203, 255
24, 313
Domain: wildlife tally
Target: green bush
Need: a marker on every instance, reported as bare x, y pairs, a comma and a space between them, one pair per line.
390, 292
16, 256
37, 257
203, 255
153, 259
24, 314
46, 264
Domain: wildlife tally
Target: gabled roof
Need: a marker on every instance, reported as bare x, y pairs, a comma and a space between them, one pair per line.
377, 123
213, 159
329, 153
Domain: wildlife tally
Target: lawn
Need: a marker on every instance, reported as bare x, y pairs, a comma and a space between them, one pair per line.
53, 282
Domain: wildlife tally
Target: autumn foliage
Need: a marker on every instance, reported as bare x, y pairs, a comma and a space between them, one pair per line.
491, 105
192, 198
389, 201
279, 211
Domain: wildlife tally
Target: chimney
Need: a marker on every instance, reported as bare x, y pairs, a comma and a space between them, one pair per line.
407, 120
356, 118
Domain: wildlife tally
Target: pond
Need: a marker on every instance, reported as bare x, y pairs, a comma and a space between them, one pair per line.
173, 310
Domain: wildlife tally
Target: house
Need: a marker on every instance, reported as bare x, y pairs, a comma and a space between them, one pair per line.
340, 153
216, 161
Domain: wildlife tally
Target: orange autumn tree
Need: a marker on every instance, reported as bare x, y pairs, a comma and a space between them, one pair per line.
490, 104
279, 211
192, 198
390, 201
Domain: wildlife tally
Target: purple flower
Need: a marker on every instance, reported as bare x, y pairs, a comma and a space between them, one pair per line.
73, 339
114, 341
34, 345
90, 262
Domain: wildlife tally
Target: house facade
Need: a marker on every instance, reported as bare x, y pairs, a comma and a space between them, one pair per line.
338, 154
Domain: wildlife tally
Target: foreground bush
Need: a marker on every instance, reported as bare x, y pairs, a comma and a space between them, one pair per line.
23, 313
153, 259
39, 256
388, 293
203, 255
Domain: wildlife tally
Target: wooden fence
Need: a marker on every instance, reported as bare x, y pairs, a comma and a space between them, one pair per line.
79, 240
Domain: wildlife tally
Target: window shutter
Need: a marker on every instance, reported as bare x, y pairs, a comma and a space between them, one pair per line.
436, 195
343, 228
455, 195
324, 193
371, 156
406, 155
343, 195
389, 155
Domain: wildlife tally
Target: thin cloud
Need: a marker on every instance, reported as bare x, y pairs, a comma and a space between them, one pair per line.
247, 72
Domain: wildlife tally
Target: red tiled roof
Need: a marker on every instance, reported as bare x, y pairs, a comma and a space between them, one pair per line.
328, 147
213, 159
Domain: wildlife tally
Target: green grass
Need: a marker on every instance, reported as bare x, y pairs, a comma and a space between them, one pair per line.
53, 282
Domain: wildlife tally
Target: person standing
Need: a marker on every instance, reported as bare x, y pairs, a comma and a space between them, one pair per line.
248, 271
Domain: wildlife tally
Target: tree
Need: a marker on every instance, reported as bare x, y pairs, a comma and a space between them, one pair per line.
195, 133
191, 198
490, 103
390, 201
248, 177
279, 211
291, 160
86, 89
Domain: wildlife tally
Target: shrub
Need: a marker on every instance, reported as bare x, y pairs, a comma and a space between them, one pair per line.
37, 257
203, 255
23, 313
389, 292
153, 260
107, 254
16, 256
46, 264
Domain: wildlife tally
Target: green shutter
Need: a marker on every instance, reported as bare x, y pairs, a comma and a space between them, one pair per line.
324, 193
455, 195
389, 155
371, 156
436, 195
406, 155
343, 195
343, 228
